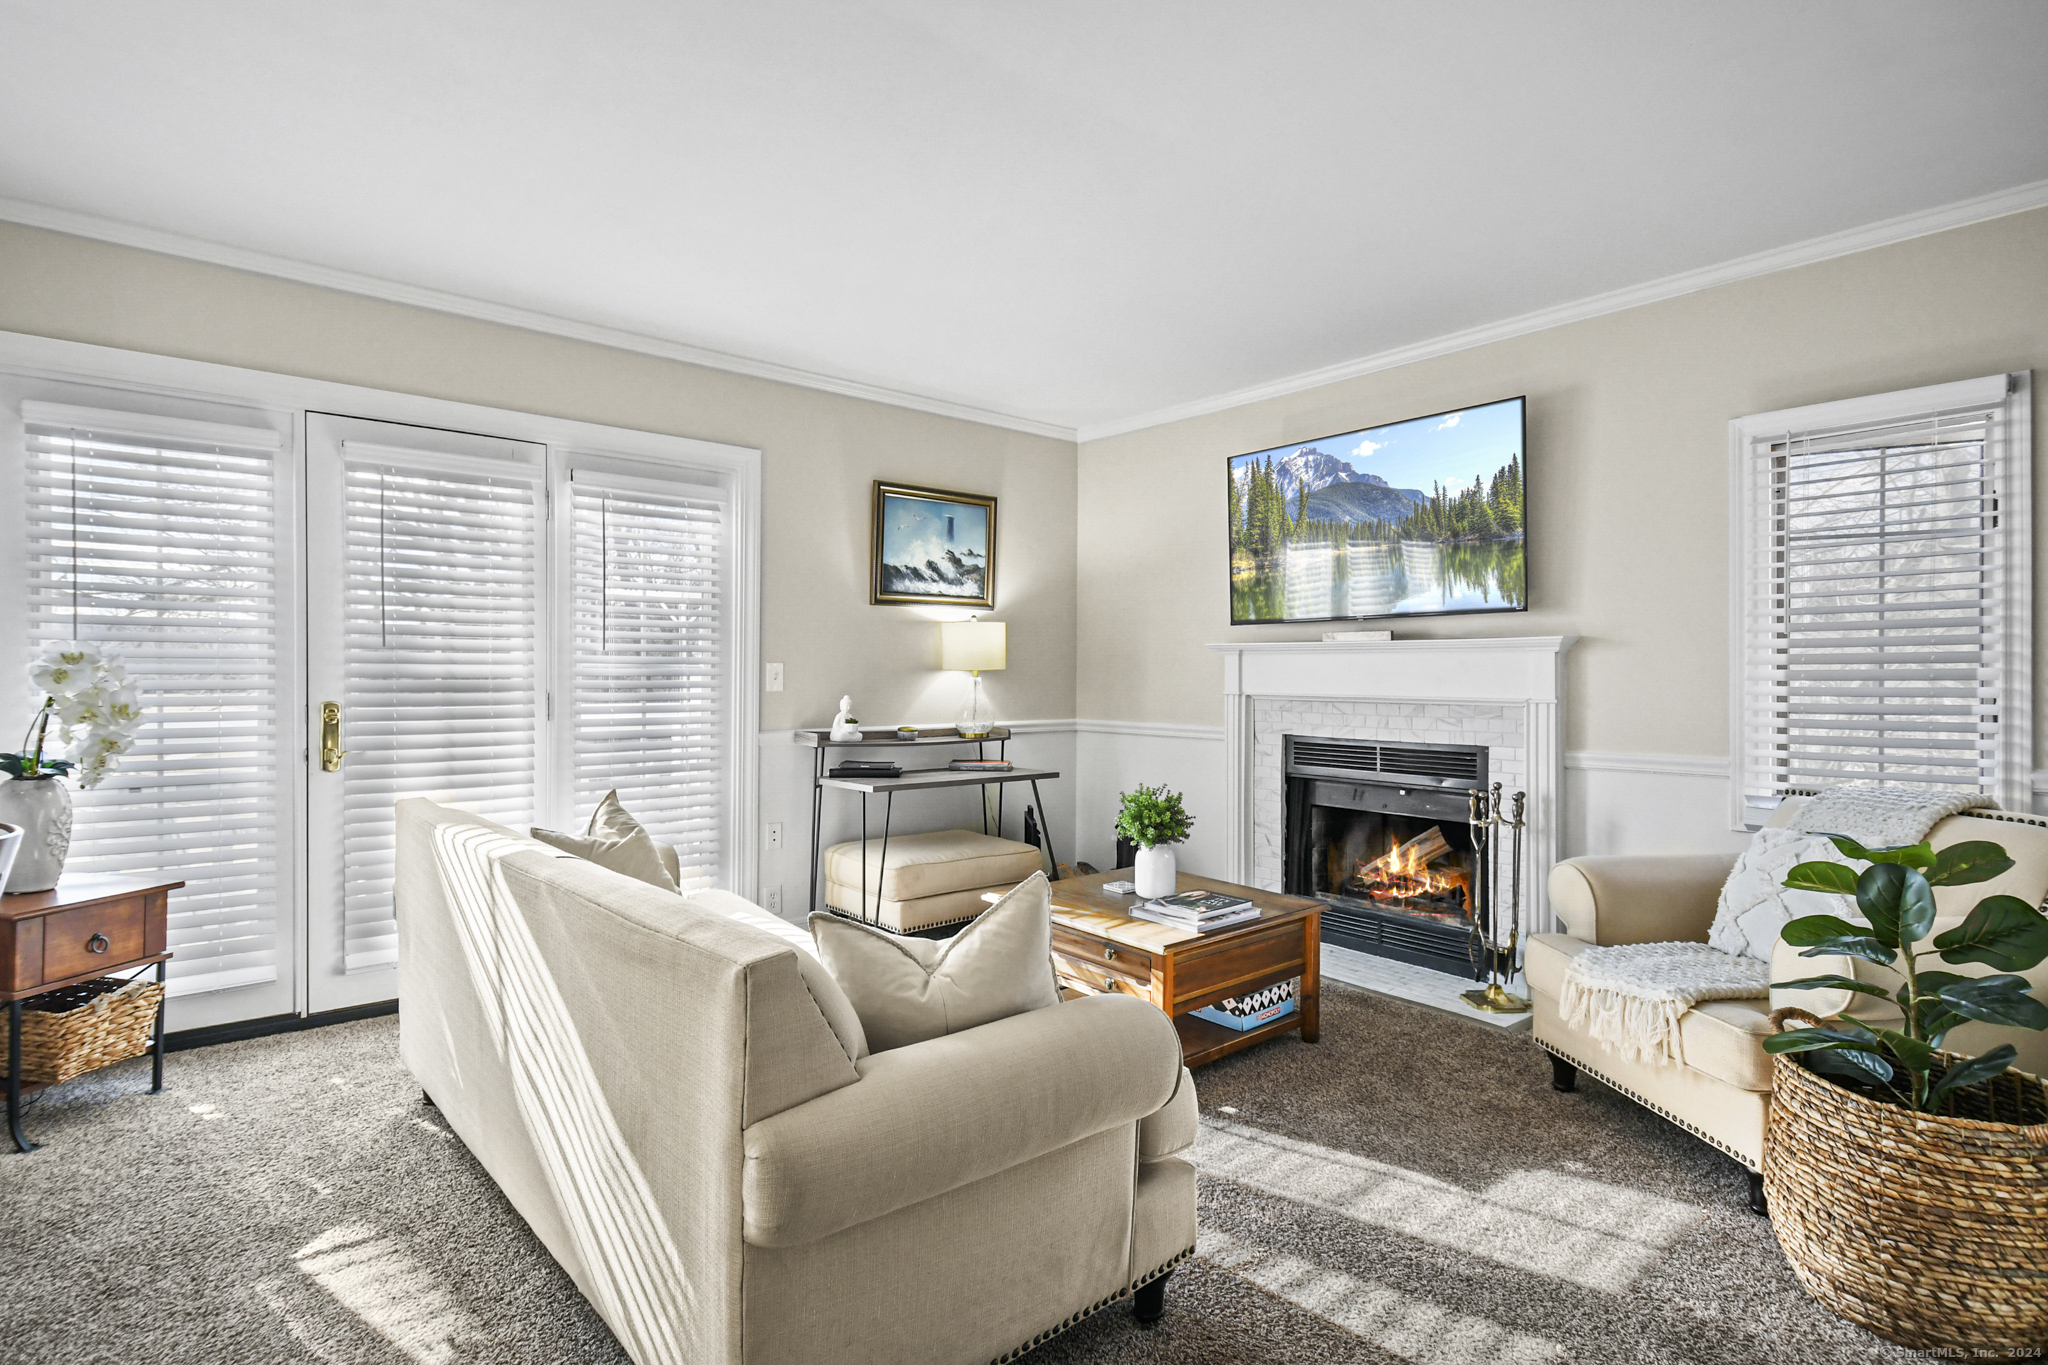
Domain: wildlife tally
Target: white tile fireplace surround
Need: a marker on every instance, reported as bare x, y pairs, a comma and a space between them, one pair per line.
1505, 694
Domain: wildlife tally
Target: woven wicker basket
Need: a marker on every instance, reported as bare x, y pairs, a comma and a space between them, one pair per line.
81, 1028
1929, 1230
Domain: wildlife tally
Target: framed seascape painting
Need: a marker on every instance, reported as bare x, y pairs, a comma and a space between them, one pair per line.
933, 546
1417, 518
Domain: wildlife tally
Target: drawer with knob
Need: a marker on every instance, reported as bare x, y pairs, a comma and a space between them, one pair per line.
1111, 958
92, 937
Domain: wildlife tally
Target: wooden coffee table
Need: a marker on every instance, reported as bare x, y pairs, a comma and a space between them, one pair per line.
1099, 949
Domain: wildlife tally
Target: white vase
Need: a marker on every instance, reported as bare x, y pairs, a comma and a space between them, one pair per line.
1155, 871
41, 807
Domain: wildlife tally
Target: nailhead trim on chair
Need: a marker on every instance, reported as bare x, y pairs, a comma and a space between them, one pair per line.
1650, 1105
1090, 1311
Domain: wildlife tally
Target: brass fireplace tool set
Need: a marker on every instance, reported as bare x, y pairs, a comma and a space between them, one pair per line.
1486, 820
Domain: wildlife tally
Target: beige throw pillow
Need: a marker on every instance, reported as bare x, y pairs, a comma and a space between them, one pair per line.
617, 841
906, 990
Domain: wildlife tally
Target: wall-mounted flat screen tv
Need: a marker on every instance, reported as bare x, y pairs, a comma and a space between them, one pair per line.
1415, 518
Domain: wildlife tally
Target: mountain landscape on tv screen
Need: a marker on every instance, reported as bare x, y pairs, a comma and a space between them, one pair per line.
1314, 537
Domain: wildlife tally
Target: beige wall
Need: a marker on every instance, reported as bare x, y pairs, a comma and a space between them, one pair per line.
820, 453
1628, 469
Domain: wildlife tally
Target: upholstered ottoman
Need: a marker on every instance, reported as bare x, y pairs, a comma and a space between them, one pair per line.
935, 878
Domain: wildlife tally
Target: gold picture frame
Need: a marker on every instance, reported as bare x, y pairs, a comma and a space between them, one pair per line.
932, 546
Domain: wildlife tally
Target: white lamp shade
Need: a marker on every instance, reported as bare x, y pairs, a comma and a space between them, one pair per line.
973, 646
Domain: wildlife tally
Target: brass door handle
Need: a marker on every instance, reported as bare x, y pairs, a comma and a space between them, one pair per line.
331, 752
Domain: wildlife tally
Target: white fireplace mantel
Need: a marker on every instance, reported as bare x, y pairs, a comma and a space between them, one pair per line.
1524, 672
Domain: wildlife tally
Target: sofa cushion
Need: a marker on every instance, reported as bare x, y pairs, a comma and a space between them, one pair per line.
1725, 1039
909, 989
1722, 1038
614, 839
933, 864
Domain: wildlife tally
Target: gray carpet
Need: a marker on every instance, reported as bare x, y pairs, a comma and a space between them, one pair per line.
1411, 1189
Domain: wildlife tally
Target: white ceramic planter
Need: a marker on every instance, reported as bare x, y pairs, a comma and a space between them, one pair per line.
1154, 874
41, 809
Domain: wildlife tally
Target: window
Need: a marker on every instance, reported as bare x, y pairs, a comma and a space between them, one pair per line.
1882, 594
648, 646
158, 537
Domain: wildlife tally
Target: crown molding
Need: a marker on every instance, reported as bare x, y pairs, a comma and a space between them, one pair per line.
505, 315
1962, 213
2019, 199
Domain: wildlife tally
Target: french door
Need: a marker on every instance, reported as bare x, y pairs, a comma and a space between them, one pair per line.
426, 553
510, 626
512, 631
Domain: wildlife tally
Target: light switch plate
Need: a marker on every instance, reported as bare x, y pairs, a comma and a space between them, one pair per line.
775, 835
774, 683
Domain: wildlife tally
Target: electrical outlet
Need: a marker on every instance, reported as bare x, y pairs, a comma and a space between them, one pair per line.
774, 683
774, 899
775, 836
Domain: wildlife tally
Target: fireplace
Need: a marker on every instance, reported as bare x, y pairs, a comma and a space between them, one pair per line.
1380, 834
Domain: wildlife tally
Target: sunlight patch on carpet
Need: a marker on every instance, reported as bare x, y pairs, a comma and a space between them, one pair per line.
1586, 1232
372, 1277
1400, 1324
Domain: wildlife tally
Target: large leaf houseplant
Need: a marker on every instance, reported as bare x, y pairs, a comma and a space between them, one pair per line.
1909, 1181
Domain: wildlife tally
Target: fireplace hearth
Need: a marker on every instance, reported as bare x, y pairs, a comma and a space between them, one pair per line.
1380, 833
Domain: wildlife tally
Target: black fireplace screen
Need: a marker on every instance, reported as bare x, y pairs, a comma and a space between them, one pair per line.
1381, 834
1411, 864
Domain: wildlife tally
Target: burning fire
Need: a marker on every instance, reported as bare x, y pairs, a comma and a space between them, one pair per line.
1403, 873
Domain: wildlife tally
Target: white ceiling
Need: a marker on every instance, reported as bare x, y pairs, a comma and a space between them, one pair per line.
1074, 213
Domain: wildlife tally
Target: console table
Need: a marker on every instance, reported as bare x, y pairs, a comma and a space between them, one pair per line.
87, 927
918, 779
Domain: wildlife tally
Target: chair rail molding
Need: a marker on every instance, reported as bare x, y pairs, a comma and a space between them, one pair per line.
1525, 672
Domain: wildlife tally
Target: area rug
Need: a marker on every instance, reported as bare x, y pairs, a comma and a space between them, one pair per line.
1408, 1189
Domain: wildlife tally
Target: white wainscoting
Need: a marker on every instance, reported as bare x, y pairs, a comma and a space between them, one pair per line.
1613, 803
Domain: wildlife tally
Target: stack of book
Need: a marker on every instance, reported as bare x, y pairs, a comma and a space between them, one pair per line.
1202, 911
981, 765
867, 767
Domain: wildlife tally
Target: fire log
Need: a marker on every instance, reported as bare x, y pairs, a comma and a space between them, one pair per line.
1419, 852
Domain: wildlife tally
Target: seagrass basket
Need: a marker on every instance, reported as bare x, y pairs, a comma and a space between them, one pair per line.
1932, 1231
81, 1028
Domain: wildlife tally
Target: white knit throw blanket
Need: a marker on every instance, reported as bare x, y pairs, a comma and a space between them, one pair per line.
1631, 996
1884, 817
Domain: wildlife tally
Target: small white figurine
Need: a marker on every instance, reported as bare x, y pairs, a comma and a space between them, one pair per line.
843, 724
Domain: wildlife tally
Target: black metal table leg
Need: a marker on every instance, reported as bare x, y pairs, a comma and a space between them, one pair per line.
863, 857
156, 1047
21, 1142
1045, 828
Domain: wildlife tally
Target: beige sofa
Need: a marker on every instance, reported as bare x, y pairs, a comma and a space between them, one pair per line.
1722, 1091
680, 1102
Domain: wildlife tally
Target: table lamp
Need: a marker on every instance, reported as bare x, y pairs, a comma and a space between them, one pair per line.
972, 646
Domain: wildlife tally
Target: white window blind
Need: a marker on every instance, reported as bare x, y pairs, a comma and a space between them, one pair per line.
649, 643
438, 664
156, 538
1883, 598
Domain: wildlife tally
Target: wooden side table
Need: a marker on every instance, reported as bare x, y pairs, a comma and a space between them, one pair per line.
87, 927
1099, 948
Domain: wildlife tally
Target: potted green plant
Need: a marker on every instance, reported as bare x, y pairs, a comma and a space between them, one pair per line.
95, 708
1880, 1135
1154, 820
